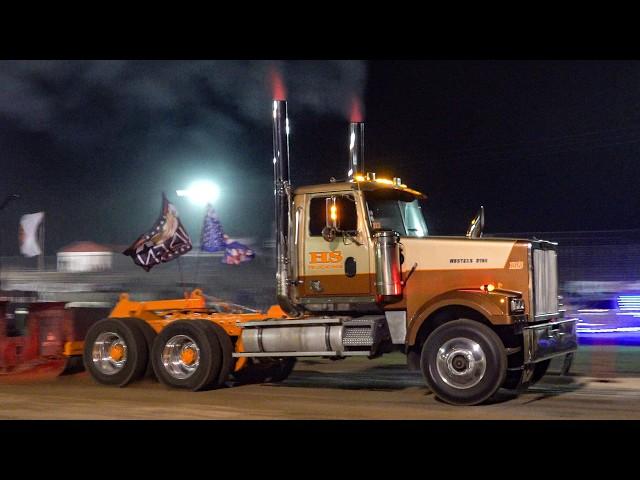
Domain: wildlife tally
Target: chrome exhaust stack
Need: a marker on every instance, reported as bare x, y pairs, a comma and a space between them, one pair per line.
356, 149
282, 193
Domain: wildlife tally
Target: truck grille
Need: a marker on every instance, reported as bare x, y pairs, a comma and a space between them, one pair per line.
545, 282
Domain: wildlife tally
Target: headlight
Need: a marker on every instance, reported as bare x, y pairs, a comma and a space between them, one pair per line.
516, 305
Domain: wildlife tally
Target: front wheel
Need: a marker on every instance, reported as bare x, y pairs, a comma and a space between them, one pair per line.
464, 362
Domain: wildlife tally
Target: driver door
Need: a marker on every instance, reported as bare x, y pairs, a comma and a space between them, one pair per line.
340, 267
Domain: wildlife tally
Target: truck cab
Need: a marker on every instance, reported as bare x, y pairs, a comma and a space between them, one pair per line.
334, 231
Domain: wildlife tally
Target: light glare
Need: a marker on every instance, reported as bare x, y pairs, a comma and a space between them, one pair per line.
201, 192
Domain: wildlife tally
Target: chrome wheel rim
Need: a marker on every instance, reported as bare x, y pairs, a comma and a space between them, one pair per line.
461, 363
181, 356
109, 353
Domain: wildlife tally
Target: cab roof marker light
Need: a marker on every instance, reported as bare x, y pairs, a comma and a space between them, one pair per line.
386, 181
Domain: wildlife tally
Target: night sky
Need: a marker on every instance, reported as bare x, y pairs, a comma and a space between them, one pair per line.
543, 145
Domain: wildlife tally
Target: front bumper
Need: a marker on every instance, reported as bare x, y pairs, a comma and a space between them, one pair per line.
548, 340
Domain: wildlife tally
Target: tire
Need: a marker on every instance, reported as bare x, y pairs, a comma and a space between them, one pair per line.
173, 369
115, 351
227, 350
265, 370
512, 380
475, 367
253, 372
73, 365
539, 371
281, 369
149, 336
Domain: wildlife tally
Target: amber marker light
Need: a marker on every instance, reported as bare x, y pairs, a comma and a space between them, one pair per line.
386, 181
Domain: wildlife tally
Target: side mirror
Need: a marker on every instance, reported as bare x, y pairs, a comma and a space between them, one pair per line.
329, 234
331, 229
477, 225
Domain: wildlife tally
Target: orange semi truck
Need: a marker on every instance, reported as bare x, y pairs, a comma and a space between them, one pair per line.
357, 275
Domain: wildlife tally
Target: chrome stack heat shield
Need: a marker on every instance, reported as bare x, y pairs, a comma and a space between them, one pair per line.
282, 192
356, 149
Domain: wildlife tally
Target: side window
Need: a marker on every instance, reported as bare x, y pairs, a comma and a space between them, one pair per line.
347, 214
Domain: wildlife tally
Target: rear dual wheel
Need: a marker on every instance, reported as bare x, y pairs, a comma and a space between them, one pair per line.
192, 354
116, 351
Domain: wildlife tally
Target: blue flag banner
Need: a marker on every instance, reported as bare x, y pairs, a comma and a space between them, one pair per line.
212, 237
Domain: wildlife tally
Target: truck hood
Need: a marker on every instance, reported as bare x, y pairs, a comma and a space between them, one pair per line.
459, 253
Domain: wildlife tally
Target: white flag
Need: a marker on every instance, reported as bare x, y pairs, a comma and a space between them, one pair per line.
28, 234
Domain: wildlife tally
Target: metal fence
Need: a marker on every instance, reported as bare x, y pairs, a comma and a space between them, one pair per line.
250, 283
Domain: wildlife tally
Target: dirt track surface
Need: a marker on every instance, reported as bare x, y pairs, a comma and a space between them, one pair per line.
319, 389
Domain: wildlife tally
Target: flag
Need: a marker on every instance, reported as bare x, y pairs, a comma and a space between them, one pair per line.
28, 234
212, 237
166, 240
236, 253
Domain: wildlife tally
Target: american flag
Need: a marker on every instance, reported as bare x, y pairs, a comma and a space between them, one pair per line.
166, 240
236, 253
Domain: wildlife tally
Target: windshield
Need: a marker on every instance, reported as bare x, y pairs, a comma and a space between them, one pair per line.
393, 210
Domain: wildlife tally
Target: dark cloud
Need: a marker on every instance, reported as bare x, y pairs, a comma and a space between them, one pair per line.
80, 103
94, 142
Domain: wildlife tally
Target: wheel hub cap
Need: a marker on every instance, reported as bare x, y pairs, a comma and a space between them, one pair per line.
461, 363
181, 356
116, 352
188, 356
109, 353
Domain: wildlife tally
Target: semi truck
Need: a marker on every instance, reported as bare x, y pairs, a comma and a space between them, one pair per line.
358, 274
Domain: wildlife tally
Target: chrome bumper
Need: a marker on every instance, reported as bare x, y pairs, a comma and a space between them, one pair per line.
549, 340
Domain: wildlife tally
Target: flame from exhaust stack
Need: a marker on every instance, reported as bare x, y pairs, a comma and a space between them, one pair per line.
278, 90
355, 114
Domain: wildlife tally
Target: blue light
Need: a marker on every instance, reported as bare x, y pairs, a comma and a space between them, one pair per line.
618, 326
629, 302
608, 330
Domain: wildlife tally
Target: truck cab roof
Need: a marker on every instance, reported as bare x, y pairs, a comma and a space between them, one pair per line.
360, 183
